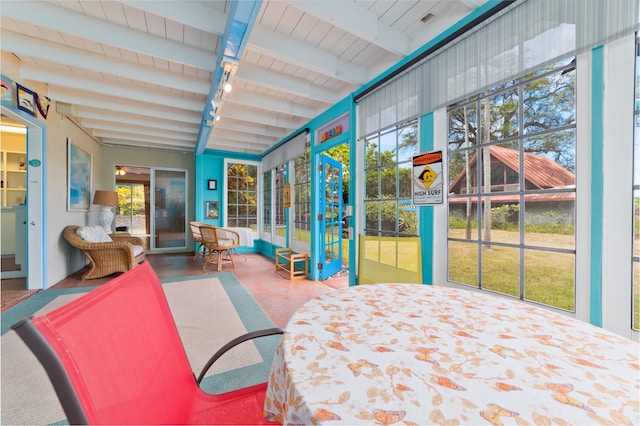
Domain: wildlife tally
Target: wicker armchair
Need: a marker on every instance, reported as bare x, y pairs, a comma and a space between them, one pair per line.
106, 258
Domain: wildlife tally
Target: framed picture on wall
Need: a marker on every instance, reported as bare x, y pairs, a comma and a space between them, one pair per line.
26, 99
212, 210
213, 184
79, 164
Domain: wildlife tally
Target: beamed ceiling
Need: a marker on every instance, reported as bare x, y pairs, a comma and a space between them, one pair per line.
144, 73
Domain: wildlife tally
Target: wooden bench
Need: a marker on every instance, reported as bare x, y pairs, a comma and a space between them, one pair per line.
288, 263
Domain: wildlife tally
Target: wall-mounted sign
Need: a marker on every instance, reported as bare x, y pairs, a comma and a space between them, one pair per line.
332, 129
427, 178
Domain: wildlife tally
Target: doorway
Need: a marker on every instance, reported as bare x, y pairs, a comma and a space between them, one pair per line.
21, 174
152, 205
335, 227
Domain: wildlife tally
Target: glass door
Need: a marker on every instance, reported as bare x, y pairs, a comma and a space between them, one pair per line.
170, 209
331, 217
152, 205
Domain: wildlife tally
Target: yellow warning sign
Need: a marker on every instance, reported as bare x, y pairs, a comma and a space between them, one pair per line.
427, 177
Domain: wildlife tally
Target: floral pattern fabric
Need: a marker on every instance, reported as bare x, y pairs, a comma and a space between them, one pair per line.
418, 354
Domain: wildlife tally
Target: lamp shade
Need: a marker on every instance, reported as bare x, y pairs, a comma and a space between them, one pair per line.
106, 198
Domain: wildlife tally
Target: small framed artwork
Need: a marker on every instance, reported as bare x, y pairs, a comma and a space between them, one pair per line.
43, 103
286, 202
78, 178
212, 210
26, 99
213, 184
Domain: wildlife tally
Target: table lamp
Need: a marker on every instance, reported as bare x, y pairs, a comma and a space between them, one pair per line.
106, 199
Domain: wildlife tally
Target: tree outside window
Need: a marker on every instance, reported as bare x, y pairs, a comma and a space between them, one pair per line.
242, 195
512, 188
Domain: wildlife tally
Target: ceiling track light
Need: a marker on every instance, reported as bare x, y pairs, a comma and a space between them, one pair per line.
229, 68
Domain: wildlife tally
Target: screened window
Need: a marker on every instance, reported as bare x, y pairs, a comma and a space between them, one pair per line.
242, 195
511, 202
302, 199
636, 199
280, 211
266, 202
388, 171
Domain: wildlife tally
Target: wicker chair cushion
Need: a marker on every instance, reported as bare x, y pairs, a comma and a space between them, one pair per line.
93, 234
137, 250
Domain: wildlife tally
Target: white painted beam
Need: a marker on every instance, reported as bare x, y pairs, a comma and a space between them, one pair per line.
356, 20
251, 128
86, 115
242, 137
287, 49
56, 18
192, 13
57, 53
141, 135
105, 134
101, 87
286, 83
256, 116
232, 144
141, 129
172, 145
270, 103
84, 100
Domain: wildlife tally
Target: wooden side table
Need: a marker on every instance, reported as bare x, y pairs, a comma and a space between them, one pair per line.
291, 265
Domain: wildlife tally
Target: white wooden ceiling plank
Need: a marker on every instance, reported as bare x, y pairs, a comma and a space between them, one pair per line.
105, 130
175, 30
358, 21
146, 60
198, 15
414, 15
93, 9
148, 142
135, 19
87, 115
319, 32
354, 53
270, 103
93, 47
251, 128
81, 99
156, 25
47, 15
253, 139
232, 147
73, 41
288, 20
260, 117
394, 13
332, 38
304, 27
273, 11
235, 143
114, 12
103, 87
284, 83
301, 54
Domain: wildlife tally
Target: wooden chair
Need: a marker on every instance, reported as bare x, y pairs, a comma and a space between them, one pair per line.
123, 253
114, 356
197, 238
219, 245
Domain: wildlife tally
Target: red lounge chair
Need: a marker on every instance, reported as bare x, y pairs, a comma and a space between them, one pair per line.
114, 356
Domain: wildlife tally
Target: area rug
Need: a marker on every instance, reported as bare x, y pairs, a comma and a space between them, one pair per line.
209, 311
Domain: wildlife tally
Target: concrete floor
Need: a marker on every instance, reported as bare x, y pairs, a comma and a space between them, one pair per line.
278, 296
